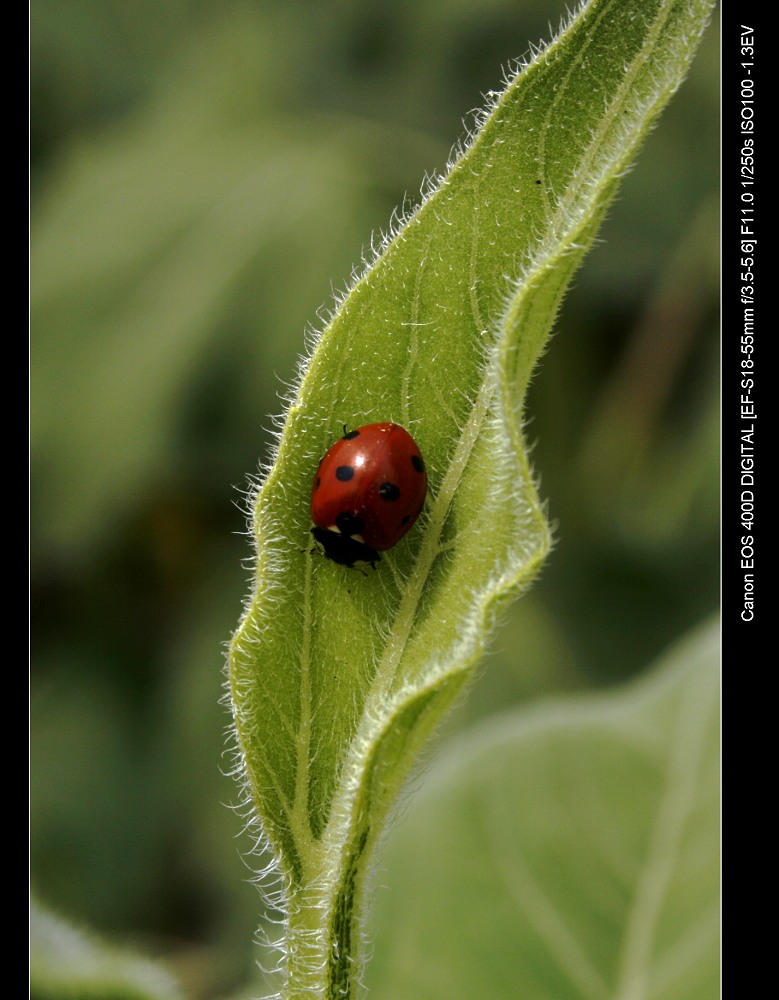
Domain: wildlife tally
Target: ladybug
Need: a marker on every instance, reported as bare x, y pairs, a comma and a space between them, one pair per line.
368, 491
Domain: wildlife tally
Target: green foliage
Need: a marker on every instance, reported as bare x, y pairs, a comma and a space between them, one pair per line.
152, 382
337, 683
570, 850
68, 964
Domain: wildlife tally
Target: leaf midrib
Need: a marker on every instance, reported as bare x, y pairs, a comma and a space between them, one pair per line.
430, 548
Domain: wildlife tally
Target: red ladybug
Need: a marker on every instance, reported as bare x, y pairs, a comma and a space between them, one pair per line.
368, 492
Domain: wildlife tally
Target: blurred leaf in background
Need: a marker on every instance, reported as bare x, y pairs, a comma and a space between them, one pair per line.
571, 850
203, 176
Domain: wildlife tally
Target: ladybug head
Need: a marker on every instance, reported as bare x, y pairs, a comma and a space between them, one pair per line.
345, 550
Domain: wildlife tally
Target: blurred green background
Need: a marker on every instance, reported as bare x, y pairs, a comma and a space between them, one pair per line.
204, 177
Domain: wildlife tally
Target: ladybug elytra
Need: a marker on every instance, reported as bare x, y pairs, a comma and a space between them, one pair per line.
368, 491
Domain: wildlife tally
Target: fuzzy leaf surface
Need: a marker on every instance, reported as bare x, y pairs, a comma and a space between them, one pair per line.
337, 679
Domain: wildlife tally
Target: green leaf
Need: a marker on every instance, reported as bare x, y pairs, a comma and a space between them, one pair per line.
69, 964
337, 679
567, 851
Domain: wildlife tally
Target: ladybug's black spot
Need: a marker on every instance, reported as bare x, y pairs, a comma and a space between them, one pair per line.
344, 473
389, 491
349, 524
348, 435
416, 461
318, 482
405, 520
